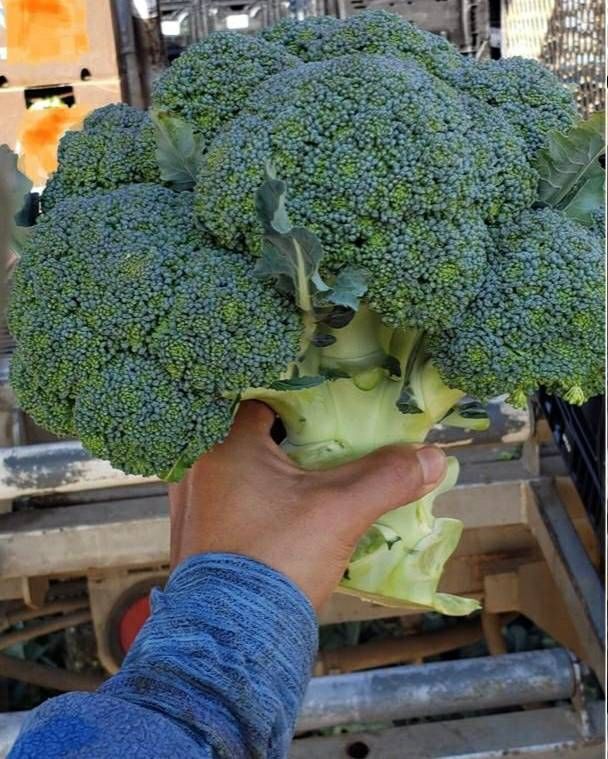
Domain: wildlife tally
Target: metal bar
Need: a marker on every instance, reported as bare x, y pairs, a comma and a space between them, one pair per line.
532, 734
56, 467
45, 628
127, 53
135, 531
438, 688
572, 571
66, 467
47, 677
76, 539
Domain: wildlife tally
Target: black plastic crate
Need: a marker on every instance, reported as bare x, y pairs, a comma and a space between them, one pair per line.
579, 432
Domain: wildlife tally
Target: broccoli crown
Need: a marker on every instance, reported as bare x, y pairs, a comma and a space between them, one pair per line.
132, 329
533, 100
380, 32
209, 82
538, 318
115, 147
300, 37
352, 140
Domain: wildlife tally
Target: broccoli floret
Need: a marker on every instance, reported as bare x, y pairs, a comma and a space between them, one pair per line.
529, 96
115, 147
208, 84
140, 419
424, 275
300, 37
598, 221
380, 32
538, 318
54, 356
358, 174
137, 329
225, 332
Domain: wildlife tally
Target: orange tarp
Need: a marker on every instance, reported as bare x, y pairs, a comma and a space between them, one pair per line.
39, 136
40, 31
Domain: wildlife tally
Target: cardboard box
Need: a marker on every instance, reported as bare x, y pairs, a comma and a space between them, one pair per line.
59, 47
15, 117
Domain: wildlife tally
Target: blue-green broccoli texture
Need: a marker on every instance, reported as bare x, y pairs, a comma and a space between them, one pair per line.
115, 147
342, 219
131, 328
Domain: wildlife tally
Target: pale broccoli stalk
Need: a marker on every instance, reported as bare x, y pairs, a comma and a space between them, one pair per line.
356, 388
402, 556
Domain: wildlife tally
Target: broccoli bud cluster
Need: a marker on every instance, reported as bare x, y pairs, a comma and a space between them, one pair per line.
133, 330
536, 319
115, 147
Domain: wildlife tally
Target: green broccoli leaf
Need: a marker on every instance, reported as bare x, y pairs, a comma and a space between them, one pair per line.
588, 198
19, 188
338, 317
468, 415
569, 169
298, 383
348, 288
392, 366
179, 469
407, 403
178, 150
18, 184
270, 204
322, 340
290, 255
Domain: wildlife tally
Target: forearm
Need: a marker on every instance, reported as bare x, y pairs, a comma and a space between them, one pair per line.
224, 658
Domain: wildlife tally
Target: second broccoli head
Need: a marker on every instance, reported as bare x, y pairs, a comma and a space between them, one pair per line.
132, 330
411, 187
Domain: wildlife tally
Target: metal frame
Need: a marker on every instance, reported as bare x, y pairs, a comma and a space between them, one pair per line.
544, 733
572, 571
518, 528
438, 688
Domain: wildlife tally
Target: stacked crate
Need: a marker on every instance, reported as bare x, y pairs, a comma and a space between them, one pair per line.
567, 36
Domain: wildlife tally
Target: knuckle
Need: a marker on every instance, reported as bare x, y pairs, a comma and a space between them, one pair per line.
402, 468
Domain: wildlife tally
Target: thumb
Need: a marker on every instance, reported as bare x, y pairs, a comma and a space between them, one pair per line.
250, 430
386, 479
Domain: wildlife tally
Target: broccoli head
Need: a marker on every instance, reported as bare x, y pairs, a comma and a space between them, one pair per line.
300, 38
536, 320
115, 147
208, 83
346, 220
352, 140
133, 330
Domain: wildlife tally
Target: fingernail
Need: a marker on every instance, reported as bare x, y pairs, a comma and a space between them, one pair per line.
432, 463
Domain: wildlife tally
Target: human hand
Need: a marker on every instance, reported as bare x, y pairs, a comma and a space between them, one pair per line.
246, 496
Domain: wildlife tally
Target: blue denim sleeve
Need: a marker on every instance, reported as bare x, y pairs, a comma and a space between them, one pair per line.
218, 670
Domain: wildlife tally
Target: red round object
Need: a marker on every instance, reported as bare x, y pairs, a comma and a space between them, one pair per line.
132, 621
